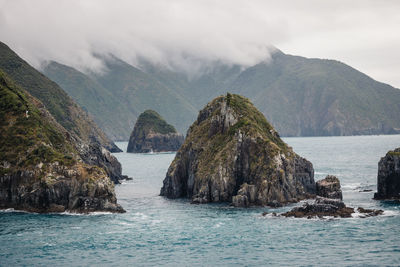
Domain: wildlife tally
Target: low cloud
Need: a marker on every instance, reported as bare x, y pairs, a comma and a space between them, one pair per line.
188, 34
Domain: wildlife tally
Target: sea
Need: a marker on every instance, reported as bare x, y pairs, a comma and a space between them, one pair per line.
158, 231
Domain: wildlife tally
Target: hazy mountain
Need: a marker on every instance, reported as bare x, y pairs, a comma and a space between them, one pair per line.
124, 92
300, 96
57, 102
106, 109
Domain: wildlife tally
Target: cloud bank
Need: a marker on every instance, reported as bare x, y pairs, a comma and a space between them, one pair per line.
183, 33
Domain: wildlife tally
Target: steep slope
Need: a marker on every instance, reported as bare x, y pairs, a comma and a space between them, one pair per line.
300, 96
153, 134
40, 167
108, 113
58, 103
307, 97
232, 154
389, 176
138, 91
95, 146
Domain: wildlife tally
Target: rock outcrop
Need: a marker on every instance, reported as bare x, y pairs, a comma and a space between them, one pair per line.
42, 165
389, 176
153, 134
321, 207
328, 203
232, 154
89, 139
329, 187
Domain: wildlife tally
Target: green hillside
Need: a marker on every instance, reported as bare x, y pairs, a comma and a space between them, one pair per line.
299, 96
106, 109
59, 104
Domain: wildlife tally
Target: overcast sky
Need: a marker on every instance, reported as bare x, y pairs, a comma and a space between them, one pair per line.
364, 34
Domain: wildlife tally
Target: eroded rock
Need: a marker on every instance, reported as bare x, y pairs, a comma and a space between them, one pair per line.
232, 154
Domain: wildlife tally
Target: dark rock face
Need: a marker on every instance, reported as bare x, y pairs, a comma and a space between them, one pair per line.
61, 189
328, 203
153, 134
95, 154
321, 207
329, 187
232, 154
45, 167
155, 142
389, 176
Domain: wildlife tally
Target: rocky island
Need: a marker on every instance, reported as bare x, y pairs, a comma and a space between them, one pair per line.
232, 154
153, 134
389, 176
328, 203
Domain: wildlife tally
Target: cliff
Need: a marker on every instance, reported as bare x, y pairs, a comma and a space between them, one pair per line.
41, 168
389, 176
64, 110
232, 154
153, 134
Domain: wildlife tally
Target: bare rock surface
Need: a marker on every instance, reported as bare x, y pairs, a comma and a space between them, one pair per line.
232, 154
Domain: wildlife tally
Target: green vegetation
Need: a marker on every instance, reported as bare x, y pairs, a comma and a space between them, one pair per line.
56, 101
299, 96
27, 136
117, 97
150, 120
220, 146
394, 153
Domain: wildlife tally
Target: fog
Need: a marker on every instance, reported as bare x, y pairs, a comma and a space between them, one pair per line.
189, 34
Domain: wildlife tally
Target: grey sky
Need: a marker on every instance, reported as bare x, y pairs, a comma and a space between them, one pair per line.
364, 34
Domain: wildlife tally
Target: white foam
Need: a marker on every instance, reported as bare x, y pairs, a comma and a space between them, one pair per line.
95, 213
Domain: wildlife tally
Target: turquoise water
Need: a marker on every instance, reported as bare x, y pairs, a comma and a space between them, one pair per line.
157, 231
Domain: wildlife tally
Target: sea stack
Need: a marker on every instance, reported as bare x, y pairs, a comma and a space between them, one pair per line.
153, 134
232, 154
389, 176
42, 168
329, 188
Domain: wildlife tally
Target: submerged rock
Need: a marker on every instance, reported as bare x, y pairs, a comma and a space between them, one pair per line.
232, 154
153, 134
389, 176
329, 187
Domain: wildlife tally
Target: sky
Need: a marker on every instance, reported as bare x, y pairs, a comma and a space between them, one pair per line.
186, 34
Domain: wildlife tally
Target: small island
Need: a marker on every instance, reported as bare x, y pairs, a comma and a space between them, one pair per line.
232, 154
153, 134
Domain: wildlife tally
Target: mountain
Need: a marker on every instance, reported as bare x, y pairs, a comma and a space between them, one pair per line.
56, 100
41, 168
124, 92
95, 146
299, 96
112, 117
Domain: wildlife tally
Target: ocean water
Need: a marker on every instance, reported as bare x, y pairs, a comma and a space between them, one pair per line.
158, 231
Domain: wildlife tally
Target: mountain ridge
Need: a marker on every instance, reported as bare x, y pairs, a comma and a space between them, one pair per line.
299, 96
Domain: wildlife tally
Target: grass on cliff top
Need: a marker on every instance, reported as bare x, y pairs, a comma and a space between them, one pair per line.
219, 147
26, 137
252, 120
151, 120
